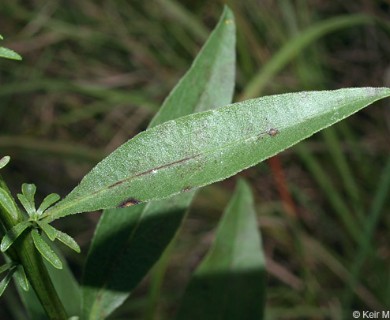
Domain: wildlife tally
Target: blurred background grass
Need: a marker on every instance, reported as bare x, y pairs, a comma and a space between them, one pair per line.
95, 72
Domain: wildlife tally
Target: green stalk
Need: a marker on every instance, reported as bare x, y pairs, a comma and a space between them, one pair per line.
39, 278
24, 251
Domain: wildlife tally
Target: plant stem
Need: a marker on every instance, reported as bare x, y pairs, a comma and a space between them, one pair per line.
39, 278
24, 252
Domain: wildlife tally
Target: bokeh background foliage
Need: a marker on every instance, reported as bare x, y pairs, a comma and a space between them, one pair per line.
93, 75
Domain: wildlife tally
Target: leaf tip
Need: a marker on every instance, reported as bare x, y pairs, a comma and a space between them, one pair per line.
4, 161
3, 246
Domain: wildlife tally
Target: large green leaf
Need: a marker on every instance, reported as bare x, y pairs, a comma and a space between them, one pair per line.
125, 250
205, 147
209, 83
141, 233
229, 284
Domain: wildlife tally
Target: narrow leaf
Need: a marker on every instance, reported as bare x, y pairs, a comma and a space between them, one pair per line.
28, 190
27, 198
4, 283
230, 282
68, 241
296, 45
47, 202
111, 272
45, 250
6, 267
4, 161
7, 203
50, 231
30, 209
209, 83
21, 278
13, 234
206, 147
9, 54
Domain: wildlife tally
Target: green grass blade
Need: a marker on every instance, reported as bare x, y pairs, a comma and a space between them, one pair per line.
335, 199
295, 46
372, 219
185, 17
45, 250
206, 147
230, 281
48, 148
344, 170
120, 235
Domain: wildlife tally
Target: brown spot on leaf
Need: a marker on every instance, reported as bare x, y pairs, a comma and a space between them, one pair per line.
186, 189
273, 132
128, 203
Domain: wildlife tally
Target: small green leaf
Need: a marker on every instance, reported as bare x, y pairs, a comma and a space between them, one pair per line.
45, 250
26, 205
8, 203
230, 281
26, 198
6, 267
21, 278
29, 189
4, 161
47, 202
1, 37
68, 241
9, 54
50, 231
4, 283
13, 234
210, 146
